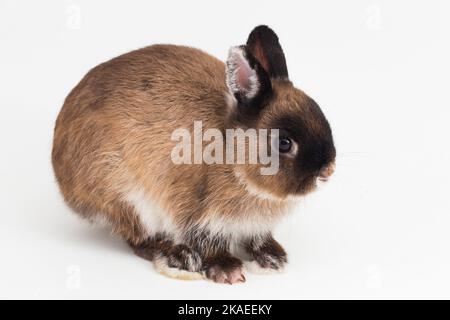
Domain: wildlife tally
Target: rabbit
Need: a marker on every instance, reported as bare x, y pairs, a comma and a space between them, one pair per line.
112, 155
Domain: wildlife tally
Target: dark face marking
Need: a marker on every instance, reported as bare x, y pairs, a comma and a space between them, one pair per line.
316, 148
300, 119
312, 133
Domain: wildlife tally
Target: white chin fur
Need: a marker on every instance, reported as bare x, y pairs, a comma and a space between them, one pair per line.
320, 183
253, 189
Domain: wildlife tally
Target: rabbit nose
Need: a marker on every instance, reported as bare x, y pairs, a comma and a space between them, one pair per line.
326, 172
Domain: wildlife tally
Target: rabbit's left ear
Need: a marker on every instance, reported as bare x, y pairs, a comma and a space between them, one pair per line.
263, 44
251, 67
246, 78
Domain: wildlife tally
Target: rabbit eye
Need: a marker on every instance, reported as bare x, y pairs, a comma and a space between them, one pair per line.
284, 144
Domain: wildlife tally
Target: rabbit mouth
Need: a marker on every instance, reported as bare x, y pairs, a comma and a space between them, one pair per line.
326, 172
310, 182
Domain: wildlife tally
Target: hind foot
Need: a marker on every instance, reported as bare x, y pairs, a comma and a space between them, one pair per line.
173, 260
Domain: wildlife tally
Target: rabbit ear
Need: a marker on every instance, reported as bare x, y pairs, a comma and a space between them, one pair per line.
245, 77
263, 44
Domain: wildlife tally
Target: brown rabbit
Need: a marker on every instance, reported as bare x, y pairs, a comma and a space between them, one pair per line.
112, 155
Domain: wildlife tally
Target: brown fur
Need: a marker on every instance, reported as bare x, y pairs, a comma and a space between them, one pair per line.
110, 129
114, 133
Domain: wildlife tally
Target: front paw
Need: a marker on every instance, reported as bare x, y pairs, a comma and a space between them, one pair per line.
225, 269
268, 255
267, 263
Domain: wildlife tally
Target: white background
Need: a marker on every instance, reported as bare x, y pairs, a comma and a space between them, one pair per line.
379, 69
